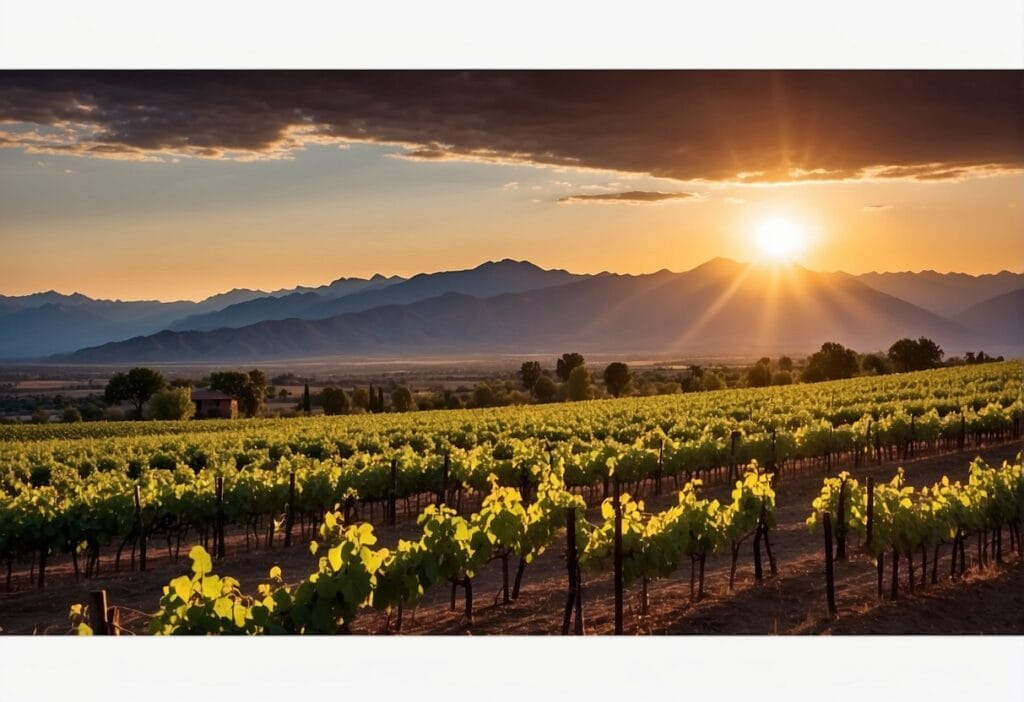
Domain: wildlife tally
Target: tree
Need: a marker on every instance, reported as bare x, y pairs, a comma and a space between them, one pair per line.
249, 389
908, 355
713, 381
782, 377
579, 387
759, 375
171, 404
565, 365
401, 399
483, 395
334, 400
874, 363
71, 415
307, 402
361, 399
529, 373
833, 362
255, 394
451, 400
785, 363
545, 389
135, 386
616, 377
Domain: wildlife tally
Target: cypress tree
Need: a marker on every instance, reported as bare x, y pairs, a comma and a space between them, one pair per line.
380, 399
307, 405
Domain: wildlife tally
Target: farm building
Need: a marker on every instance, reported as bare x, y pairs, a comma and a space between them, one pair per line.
214, 403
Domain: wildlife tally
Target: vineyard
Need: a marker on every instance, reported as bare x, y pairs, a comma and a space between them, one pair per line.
504, 486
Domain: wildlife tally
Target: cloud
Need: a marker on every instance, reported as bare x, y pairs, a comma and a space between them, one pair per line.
631, 197
876, 208
512, 185
711, 126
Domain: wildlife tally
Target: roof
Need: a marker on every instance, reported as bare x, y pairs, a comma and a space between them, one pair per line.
207, 394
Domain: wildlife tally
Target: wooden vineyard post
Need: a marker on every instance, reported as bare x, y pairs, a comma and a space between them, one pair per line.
733, 471
830, 585
878, 447
775, 461
828, 452
963, 432
574, 601
657, 476
218, 529
618, 558
758, 570
141, 528
841, 523
393, 493
289, 518
442, 495
866, 451
98, 613
894, 595
871, 513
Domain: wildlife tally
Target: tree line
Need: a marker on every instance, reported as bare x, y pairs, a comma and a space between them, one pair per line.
152, 396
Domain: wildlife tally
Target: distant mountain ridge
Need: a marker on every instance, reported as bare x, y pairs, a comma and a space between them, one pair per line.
718, 306
490, 278
947, 294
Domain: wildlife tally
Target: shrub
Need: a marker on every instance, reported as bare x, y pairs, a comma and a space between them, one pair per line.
579, 387
171, 404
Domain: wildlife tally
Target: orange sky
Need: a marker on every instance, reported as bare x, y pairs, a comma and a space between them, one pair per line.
161, 221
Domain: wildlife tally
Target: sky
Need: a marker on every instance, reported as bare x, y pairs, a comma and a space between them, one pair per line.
178, 186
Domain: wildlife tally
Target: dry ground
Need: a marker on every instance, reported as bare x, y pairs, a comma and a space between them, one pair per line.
986, 601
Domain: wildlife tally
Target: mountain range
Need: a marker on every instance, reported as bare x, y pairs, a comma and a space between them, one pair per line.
510, 306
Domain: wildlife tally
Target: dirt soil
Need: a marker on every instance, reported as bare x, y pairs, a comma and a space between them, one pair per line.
988, 600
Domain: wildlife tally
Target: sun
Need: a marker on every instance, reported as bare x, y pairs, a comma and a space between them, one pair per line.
780, 239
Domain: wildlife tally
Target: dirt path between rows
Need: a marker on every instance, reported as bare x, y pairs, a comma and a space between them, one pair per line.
986, 601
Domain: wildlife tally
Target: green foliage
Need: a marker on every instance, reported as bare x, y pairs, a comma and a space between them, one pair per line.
712, 381
906, 518
909, 355
616, 377
64, 484
566, 364
545, 389
579, 386
135, 386
833, 362
759, 375
250, 389
173, 404
334, 401
401, 399
529, 373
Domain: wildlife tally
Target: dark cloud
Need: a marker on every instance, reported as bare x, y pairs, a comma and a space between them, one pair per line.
633, 196
747, 126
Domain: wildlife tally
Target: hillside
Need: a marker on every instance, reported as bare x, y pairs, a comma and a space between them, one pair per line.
947, 294
721, 305
486, 280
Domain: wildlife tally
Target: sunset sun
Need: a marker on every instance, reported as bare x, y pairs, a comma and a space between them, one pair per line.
780, 240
